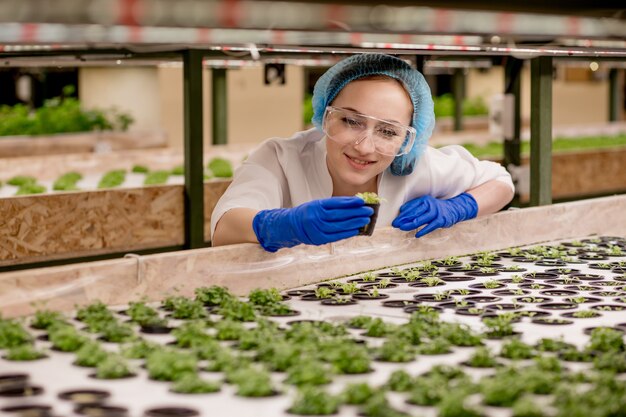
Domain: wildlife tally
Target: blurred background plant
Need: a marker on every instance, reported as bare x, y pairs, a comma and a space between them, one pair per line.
60, 115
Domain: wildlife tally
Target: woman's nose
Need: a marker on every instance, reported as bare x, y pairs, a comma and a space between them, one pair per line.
365, 144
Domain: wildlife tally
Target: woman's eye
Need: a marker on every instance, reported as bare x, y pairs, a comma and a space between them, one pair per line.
388, 133
351, 122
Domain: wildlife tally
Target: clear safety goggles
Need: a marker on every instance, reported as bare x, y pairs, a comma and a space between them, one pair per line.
349, 127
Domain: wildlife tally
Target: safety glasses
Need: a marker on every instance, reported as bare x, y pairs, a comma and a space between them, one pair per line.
348, 127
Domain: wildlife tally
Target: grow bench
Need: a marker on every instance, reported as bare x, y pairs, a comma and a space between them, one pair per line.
231, 356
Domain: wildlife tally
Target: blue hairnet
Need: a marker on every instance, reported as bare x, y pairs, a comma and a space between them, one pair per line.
359, 66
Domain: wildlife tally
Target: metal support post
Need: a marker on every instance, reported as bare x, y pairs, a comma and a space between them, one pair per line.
194, 170
419, 63
541, 131
218, 102
614, 95
512, 145
458, 89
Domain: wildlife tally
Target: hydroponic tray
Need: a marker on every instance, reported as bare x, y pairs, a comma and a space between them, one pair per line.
558, 307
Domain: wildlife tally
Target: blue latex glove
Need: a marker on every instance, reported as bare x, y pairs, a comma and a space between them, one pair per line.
435, 213
314, 223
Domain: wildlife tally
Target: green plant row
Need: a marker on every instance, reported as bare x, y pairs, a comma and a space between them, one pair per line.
495, 149
217, 167
59, 115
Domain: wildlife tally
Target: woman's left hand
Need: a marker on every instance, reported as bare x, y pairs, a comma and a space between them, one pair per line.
434, 213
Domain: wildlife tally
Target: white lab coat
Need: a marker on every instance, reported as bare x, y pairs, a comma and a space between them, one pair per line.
289, 172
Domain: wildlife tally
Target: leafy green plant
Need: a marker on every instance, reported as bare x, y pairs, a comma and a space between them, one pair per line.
139, 349
395, 349
234, 309
156, 177
400, 381
267, 297
606, 340
357, 393
117, 332
437, 346
113, 367
65, 338
193, 384
228, 330
308, 372
67, 182
25, 352
378, 406
220, 167
253, 382
12, 334
21, 180
377, 328
369, 197
169, 365
516, 349
360, 322
90, 354
27, 189
455, 404
526, 406
313, 401
482, 358
112, 179
213, 295
500, 325
191, 334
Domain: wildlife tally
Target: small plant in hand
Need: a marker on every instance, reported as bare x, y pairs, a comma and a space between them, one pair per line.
370, 198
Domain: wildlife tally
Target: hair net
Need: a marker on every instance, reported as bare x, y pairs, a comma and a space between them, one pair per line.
358, 66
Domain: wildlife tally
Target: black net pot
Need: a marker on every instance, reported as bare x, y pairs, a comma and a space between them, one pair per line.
368, 229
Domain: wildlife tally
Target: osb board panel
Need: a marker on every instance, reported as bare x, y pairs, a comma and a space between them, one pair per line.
247, 266
601, 171
212, 193
36, 228
15, 146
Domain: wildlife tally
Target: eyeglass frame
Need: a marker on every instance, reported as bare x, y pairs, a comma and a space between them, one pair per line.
410, 129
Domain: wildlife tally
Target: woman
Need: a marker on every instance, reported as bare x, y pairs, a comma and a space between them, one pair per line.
373, 115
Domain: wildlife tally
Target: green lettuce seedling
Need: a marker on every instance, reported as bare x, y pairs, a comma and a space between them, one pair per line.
112, 179
21, 180
370, 198
156, 178
67, 182
221, 168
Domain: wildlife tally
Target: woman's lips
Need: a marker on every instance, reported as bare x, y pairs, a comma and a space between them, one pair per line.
357, 163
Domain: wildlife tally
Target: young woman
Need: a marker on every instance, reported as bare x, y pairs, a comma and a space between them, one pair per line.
373, 116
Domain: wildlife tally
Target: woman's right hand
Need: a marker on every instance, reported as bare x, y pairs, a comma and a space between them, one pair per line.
314, 223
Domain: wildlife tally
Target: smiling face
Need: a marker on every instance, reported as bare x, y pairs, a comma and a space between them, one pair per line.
355, 167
